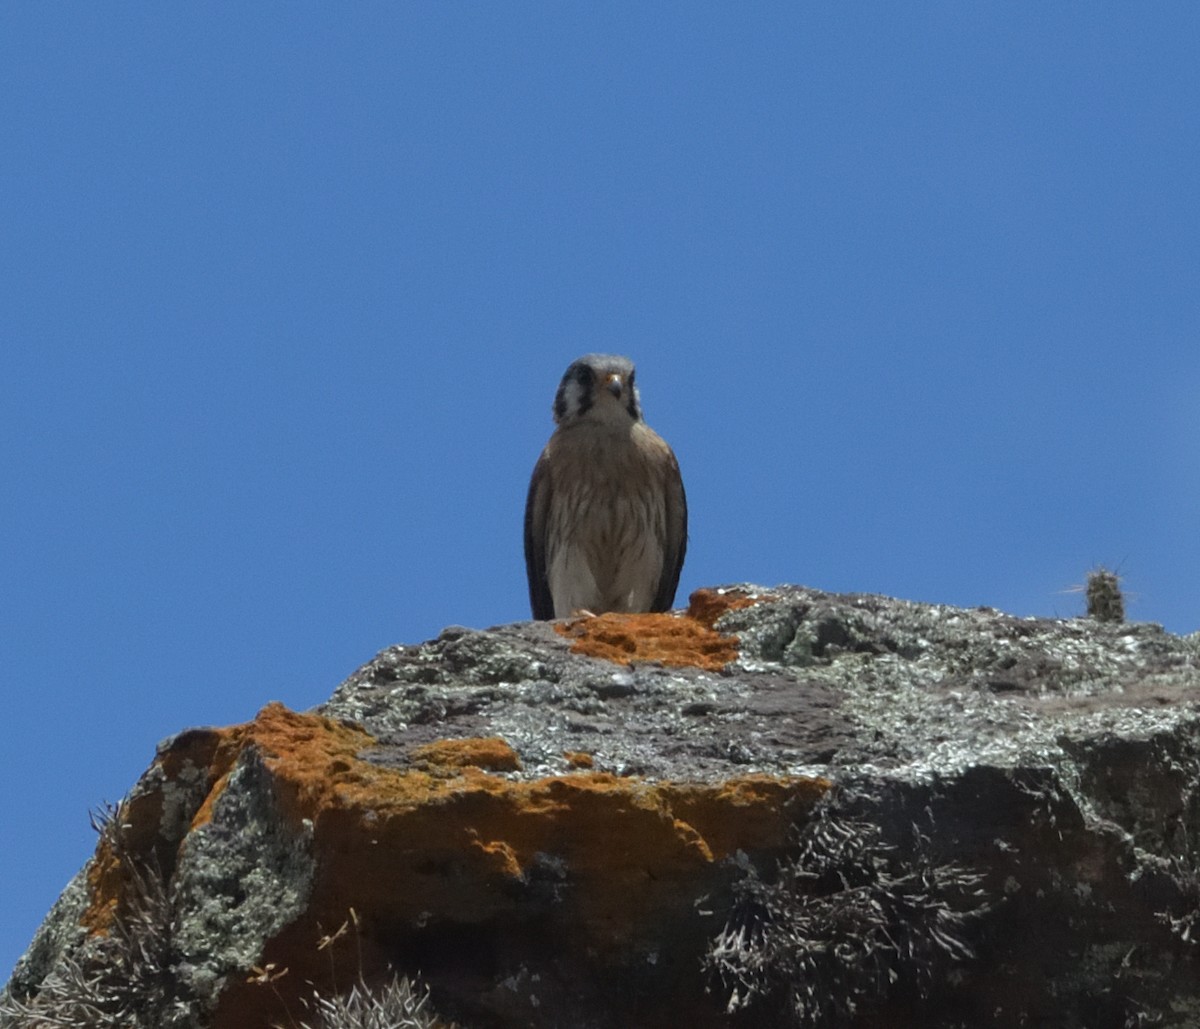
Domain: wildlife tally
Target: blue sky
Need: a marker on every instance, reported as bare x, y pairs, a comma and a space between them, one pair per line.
286, 290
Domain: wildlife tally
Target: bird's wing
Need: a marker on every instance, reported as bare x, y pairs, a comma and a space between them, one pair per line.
675, 544
536, 506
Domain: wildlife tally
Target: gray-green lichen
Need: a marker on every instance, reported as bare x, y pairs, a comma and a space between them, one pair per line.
241, 878
59, 934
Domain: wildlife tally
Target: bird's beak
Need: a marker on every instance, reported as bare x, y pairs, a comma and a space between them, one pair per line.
614, 385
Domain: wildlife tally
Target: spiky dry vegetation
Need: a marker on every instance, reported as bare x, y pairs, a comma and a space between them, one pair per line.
128, 978
397, 1004
1105, 602
122, 980
848, 921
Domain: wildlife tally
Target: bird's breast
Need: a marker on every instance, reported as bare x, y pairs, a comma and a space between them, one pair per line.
607, 522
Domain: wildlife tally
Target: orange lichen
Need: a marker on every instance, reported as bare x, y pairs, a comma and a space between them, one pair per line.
707, 605
211, 752
677, 640
758, 800
502, 857
624, 839
204, 812
491, 754
579, 759
460, 843
106, 882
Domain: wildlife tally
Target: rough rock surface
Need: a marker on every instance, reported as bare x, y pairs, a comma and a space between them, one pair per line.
780, 808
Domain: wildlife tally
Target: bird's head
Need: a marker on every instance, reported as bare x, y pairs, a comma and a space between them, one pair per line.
598, 386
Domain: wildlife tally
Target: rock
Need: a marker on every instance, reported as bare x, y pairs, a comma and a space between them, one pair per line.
780, 808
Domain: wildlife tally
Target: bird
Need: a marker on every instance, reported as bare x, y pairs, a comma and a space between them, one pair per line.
606, 514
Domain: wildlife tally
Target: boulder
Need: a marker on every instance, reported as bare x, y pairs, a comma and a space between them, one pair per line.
780, 807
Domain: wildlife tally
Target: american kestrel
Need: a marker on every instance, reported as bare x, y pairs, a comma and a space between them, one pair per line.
606, 517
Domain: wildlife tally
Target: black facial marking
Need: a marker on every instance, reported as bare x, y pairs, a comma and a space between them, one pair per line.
631, 398
579, 375
587, 381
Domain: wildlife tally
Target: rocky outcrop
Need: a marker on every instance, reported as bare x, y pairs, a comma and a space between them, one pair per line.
779, 808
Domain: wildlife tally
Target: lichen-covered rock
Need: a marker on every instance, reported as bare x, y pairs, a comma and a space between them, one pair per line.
779, 808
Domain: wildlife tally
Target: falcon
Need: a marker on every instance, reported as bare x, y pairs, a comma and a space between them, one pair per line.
606, 515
